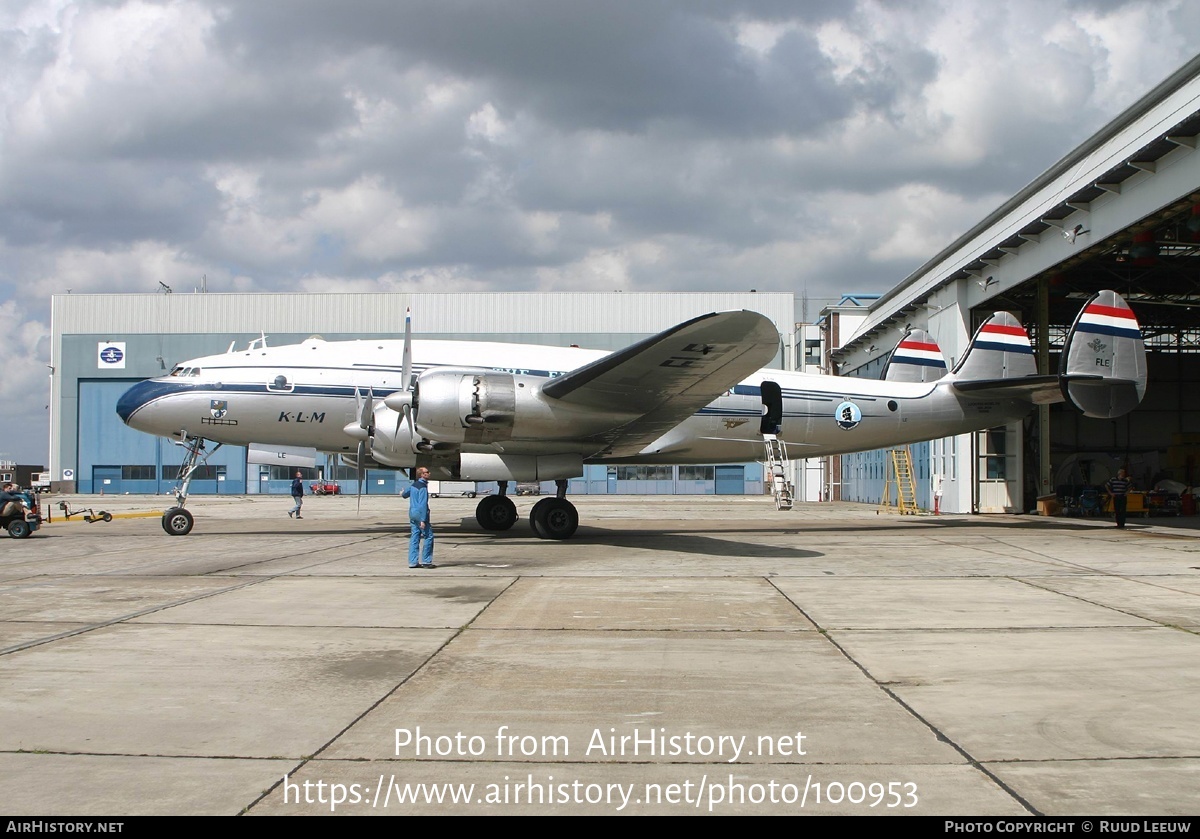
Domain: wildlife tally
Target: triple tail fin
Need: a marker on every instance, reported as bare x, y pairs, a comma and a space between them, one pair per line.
1102, 371
917, 358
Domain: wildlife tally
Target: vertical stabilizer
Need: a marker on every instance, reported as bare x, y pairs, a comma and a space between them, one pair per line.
1000, 349
1103, 364
917, 358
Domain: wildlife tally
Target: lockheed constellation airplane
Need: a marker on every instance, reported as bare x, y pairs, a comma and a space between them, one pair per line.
693, 394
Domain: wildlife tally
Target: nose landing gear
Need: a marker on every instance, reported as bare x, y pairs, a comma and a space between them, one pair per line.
177, 521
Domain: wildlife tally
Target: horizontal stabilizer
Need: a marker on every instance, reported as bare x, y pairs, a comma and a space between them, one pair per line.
917, 358
1041, 390
1103, 362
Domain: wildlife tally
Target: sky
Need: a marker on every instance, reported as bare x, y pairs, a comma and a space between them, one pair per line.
527, 145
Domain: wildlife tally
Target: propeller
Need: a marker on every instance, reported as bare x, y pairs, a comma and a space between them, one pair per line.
400, 401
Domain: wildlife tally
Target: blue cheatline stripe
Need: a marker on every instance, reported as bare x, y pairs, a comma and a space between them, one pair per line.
919, 362
1017, 348
1115, 331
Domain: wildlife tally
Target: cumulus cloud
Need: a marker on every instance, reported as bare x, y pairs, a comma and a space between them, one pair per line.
631, 144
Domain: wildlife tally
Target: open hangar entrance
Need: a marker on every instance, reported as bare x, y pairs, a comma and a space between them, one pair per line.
1120, 212
1155, 265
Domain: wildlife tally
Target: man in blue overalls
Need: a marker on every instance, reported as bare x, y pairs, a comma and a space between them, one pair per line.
419, 556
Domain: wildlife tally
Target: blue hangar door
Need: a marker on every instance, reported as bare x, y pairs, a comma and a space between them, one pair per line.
731, 480
106, 479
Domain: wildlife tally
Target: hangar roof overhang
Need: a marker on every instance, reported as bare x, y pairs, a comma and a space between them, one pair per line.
1121, 211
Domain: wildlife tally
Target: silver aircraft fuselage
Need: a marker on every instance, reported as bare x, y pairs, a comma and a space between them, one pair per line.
305, 395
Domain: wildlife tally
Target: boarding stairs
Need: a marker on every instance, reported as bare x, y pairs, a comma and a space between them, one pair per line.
900, 474
781, 487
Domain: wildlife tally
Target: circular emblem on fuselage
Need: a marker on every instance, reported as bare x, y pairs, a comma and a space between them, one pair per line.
847, 415
111, 355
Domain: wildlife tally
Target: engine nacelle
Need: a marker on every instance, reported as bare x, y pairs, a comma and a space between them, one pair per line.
457, 405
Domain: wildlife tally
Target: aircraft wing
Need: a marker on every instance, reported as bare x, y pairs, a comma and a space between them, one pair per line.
667, 377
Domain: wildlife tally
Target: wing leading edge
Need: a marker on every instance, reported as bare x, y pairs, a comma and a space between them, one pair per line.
668, 377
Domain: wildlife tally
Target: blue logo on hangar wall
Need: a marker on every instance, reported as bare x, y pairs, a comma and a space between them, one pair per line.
110, 355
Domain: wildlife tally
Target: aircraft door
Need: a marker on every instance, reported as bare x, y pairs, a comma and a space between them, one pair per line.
772, 399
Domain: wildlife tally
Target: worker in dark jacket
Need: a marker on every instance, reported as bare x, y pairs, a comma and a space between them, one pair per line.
1118, 490
297, 496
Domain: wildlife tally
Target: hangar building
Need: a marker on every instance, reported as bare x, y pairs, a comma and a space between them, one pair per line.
1120, 212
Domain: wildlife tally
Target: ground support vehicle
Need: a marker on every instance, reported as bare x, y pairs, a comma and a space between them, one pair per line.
21, 523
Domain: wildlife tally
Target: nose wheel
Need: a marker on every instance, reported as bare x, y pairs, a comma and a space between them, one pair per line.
177, 521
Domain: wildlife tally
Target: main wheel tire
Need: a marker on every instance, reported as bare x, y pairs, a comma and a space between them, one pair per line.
535, 516
106, 516
557, 518
177, 522
19, 528
496, 512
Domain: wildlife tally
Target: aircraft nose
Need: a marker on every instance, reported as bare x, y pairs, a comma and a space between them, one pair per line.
134, 398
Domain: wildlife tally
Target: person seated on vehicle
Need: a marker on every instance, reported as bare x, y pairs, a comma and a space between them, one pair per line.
11, 501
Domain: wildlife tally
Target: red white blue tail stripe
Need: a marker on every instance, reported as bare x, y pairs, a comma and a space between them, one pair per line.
922, 353
1118, 321
1003, 337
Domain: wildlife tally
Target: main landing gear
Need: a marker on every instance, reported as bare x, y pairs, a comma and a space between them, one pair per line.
496, 512
550, 518
177, 521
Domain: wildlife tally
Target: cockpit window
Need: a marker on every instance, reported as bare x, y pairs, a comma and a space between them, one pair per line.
178, 371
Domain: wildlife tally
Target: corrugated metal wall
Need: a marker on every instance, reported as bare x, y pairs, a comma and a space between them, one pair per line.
374, 314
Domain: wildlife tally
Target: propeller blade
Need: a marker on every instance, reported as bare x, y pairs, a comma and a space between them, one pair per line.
362, 457
366, 409
402, 398
406, 367
406, 412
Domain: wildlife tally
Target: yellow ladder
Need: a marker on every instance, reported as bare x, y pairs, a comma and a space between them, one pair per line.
900, 473
781, 487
